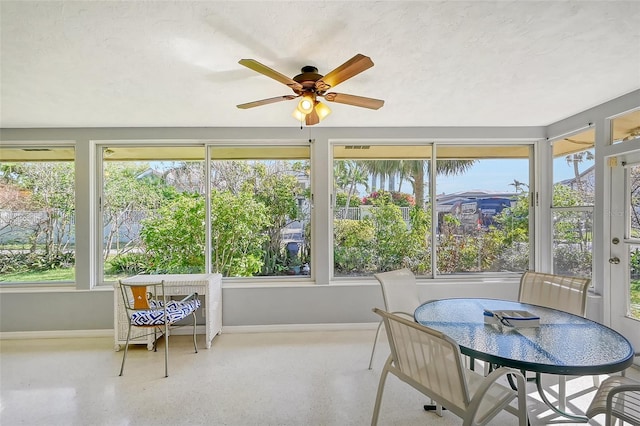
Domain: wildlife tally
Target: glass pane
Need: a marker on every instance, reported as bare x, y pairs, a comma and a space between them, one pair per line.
634, 280
483, 209
626, 127
573, 170
37, 212
261, 211
633, 183
381, 210
633, 178
572, 242
153, 210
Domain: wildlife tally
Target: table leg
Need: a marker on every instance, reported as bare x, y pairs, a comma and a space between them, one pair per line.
543, 395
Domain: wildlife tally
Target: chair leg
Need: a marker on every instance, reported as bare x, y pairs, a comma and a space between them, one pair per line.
166, 350
155, 339
383, 378
126, 348
195, 345
375, 341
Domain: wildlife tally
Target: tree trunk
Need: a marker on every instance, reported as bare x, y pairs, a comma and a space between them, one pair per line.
418, 179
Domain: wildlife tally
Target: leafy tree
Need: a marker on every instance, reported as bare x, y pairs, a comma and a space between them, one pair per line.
390, 234
278, 191
354, 245
341, 200
174, 238
51, 189
127, 194
238, 223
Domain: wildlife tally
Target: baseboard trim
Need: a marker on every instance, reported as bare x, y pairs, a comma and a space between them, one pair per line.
54, 334
200, 329
274, 328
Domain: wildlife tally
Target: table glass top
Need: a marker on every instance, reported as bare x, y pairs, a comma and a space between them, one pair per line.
562, 344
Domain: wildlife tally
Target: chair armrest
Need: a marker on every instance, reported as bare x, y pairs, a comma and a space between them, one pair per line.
630, 406
495, 375
491, 379
403, 314
193, 296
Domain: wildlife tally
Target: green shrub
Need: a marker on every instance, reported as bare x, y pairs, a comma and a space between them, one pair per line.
36, 261
341, 200
571, 260
129, 264
174, 239
400, 199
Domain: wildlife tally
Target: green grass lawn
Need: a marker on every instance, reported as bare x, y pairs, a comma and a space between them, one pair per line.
67, 274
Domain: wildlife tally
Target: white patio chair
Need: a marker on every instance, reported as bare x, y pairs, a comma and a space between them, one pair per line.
431, 363
400, 296
148, 306
619, 399
564, 293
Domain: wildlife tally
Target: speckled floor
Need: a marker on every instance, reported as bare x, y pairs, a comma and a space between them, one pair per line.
295, 378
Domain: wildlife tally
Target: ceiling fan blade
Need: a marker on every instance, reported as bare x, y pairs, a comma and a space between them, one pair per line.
312, 118
265, 70
266, 101
352, 67
359, 101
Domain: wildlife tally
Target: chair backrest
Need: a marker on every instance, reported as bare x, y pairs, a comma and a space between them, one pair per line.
564, 293
427, 360
399, 290
142, 296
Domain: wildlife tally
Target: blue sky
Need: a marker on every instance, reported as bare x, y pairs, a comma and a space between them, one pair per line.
496, 175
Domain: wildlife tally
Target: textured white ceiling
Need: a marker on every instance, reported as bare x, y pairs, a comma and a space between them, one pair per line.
175, 63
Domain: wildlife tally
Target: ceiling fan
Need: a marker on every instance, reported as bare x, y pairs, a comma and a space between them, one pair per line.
309, 85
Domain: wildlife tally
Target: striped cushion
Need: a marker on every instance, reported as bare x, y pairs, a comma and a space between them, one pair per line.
175, 312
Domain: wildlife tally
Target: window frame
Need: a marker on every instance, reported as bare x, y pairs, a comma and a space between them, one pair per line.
47, 144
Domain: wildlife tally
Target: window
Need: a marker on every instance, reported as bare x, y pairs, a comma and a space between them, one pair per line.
633, 236
483, 208
383, 208
260, 210
153, 210
572, 204
380, 209
626, 127
37, 212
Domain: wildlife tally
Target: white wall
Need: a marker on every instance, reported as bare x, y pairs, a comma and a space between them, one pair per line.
89, 306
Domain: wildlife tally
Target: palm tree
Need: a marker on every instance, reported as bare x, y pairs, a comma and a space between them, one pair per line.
383, 169
519, 186
574, 160
349, 174
416, 170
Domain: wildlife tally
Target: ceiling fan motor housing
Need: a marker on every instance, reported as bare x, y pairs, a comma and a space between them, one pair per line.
308, 77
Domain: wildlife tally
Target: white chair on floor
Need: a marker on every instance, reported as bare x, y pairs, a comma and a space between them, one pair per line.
564, 293
148, 306
618, 398
400, 296
431, 363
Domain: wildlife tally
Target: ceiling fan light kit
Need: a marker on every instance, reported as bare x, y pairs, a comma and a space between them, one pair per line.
309, 85
306, 104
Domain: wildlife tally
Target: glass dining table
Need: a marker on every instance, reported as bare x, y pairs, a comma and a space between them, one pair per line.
560, 343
